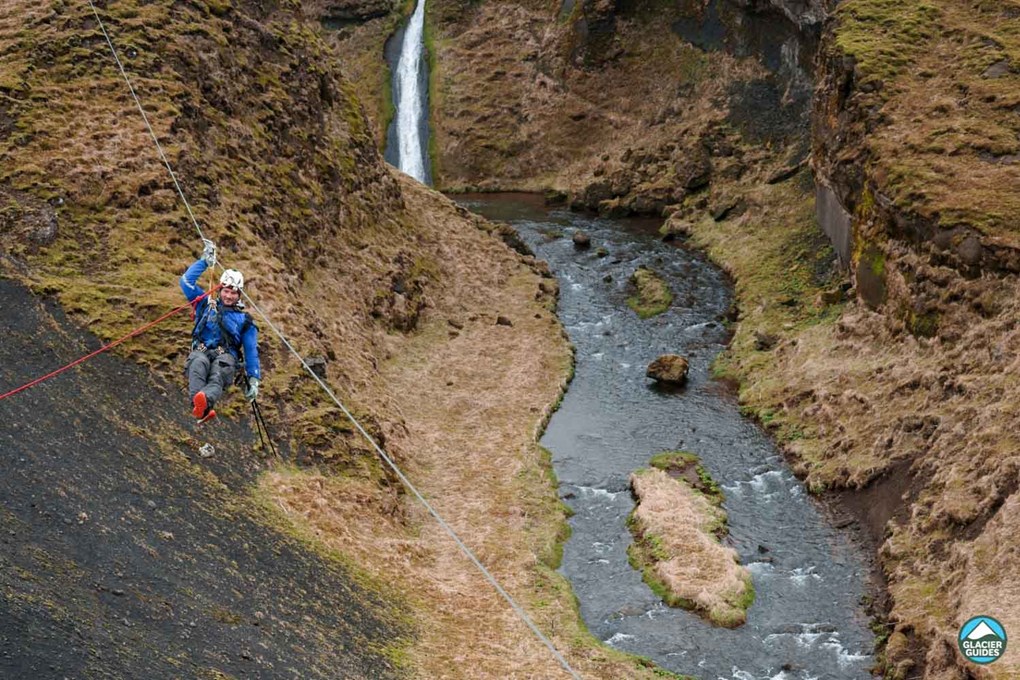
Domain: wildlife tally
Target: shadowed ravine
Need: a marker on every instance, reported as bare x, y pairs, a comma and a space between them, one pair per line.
807, 620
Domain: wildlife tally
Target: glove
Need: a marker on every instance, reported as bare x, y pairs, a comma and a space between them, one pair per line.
209, 252
253, 389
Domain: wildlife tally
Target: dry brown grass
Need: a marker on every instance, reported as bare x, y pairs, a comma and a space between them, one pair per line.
511, 111
853, 396
992, 574
677, 525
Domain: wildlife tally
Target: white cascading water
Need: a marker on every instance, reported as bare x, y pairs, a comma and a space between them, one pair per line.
409, 99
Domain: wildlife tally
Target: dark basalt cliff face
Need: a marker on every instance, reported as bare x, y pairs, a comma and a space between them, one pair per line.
594, 28
804, 13
338, 13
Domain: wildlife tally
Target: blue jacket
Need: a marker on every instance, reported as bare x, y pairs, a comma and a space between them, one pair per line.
238, 323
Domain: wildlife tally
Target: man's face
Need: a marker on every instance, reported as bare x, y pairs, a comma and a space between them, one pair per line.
229, 296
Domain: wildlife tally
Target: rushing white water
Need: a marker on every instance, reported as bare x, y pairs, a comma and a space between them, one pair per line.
409, 99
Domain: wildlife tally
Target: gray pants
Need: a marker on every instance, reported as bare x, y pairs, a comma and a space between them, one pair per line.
210, 372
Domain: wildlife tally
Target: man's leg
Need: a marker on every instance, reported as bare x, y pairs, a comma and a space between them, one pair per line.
197, 369
221, 376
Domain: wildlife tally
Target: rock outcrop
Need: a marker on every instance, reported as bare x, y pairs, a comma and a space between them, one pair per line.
594, 33
337, 13
807, 14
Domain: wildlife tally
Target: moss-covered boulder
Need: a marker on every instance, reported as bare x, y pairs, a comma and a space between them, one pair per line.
669, 368
652, 294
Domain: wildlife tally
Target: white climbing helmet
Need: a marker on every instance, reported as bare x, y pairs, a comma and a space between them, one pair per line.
232, 279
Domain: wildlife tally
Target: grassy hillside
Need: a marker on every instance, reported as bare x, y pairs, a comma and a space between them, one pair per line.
940, 78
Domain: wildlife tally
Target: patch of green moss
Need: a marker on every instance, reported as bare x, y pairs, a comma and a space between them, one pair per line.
924, 325
871, 284
218, 7
653, 294
673, 460
429, 37
680, 464
549, 511
736, 614
884, 35
226, 616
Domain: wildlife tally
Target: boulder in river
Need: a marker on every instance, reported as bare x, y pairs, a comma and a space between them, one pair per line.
669, 368
653, 293
581, 240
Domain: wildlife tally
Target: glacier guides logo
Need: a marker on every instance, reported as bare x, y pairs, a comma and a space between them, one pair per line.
982, 640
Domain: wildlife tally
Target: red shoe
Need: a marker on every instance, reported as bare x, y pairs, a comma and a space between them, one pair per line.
199, 405
208, 416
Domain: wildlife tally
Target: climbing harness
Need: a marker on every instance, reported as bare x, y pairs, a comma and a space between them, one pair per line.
382, 454
227, 338
137, 331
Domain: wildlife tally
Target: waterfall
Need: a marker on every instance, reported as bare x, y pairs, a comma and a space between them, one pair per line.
410, 97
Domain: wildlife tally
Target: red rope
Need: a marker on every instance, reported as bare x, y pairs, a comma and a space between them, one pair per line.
137, 331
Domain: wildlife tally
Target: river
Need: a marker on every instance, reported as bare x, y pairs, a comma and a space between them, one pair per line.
808, 618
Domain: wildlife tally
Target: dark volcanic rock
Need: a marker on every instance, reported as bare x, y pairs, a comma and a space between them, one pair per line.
764, 341
339, 12
803, 13
97, 446
694, 172
318, 366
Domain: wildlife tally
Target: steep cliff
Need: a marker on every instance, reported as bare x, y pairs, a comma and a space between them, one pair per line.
806, 14
915, 149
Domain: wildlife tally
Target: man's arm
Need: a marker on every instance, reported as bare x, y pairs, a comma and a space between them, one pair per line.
250, 342
189, 280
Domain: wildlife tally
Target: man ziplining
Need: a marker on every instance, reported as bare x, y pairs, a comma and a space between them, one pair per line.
224, 338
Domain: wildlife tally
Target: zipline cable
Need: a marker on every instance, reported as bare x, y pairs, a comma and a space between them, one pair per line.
403, 478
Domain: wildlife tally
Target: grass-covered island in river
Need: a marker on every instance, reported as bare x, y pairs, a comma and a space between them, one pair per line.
677, 525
